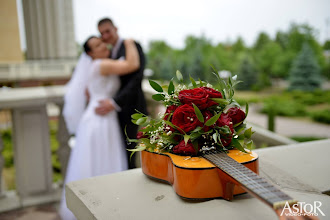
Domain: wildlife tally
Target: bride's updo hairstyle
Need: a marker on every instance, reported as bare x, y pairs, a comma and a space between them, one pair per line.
87, 48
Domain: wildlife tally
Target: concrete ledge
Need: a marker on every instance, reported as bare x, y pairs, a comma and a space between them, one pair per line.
264, 136
11, 201
131, 195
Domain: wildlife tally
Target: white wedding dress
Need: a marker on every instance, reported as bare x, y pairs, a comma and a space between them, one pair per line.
99, 147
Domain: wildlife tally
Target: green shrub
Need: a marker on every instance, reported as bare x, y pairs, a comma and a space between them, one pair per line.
309, 98
8, 152
283, 107
322, 116
305, 139
243, 101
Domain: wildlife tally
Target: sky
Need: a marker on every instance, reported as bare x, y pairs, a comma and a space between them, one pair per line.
218, 20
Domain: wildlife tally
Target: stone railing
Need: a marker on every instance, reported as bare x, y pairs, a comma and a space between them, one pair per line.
31, 141
31, 144
39, 69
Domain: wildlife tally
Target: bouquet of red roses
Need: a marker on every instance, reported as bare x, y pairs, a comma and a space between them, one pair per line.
198, 117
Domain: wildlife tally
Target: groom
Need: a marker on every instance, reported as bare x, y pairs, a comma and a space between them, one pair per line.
130, 96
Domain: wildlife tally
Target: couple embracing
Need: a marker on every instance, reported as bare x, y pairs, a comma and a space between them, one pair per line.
110, 82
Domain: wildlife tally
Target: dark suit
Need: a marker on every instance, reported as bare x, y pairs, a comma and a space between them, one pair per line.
129, 98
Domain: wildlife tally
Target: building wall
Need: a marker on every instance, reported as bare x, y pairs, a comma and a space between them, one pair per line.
49, 29
10, 48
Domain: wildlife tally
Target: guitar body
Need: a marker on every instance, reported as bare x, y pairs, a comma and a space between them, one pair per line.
196, 177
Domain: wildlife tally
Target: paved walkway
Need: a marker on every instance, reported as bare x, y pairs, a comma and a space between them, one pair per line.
41, 212
289, 127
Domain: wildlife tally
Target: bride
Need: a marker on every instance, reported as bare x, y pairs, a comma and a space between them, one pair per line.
99, 147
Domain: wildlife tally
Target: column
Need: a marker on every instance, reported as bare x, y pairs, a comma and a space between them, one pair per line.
63, 137
32, 150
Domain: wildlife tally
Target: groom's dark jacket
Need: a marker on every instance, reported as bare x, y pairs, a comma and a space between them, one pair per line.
130, 95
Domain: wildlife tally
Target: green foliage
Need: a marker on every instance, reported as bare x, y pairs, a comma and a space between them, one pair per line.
247, 74
272, 58
326, 45
283, 107
262, 40
305, 71
295, 103
8, 152
305, 139
322, 116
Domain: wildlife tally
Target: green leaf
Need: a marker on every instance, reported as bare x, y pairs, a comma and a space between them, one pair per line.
230, 82
197, 129
137, 116
238, 145
249, 144
241, 137
201, 84
198, 113
158, 97
134, 121
240, 128
224, 129
222, 84
193, 82
179, 75
220, 101
246, 109
212, 120
171, 88
186, 138
195, 144
141, 121
146, 141
173, 126
195, 136
215, 137
155, 86
248, 133
138, 148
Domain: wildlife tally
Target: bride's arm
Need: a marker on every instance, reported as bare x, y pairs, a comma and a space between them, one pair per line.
122, 67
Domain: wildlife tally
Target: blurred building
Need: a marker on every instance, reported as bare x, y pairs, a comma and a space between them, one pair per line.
49, 29
51, 50
9, 37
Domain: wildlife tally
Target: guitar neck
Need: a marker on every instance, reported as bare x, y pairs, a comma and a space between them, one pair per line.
249, 180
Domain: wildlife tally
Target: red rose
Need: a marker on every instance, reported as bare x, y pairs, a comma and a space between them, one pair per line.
185, 118
212, 94
207, 115
169, 110
184, 149
236, 114
225, 120
197, 96
140, 135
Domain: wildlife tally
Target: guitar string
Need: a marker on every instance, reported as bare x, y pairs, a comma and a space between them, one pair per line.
262, 189
247, 178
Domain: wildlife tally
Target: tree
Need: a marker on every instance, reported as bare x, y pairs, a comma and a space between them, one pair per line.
269, 58
247, 74
305, 71
238, 46
326, 45
261, 41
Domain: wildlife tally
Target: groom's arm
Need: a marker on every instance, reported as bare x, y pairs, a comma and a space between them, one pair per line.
133, 84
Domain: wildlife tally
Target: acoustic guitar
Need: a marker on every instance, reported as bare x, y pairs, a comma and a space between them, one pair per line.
216, 175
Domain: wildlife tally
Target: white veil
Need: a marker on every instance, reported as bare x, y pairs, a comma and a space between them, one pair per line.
75, 98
